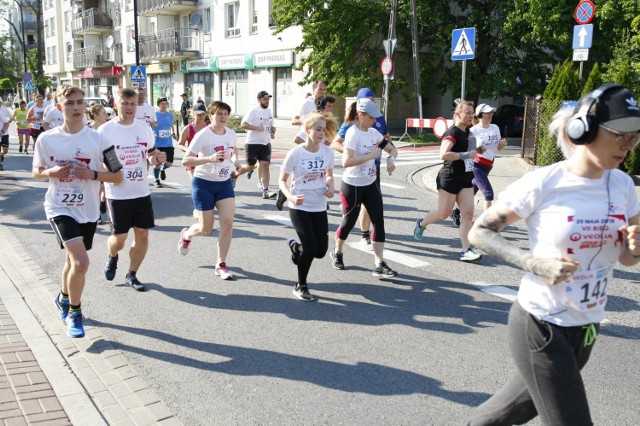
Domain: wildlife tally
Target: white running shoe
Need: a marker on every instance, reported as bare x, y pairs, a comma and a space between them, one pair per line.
222, 271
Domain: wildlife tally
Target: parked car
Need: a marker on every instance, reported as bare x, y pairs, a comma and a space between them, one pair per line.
110, 111
509, 119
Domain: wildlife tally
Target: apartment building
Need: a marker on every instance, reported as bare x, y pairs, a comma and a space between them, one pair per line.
209, 49
24, 22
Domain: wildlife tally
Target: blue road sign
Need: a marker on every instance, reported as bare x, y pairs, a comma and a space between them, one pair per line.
27, 85
463, 44
582, 36
138, 73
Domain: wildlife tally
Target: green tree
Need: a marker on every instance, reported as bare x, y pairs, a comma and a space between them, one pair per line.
594, 80
40, 80
564, 84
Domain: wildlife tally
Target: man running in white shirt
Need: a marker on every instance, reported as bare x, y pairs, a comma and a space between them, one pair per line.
129, 203
259, 125
144, 111
70, 156
309, 105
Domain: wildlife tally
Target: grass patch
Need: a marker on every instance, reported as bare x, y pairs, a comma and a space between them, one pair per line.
428, 139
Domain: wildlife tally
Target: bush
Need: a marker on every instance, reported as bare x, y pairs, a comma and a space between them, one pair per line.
234, 124
546, 150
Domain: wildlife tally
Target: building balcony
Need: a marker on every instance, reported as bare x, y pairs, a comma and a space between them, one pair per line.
90, 57
30, 26
116, 15
151, 7
174, 43
91, 21
115, 54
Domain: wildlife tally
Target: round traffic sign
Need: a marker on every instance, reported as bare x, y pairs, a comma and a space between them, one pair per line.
439, 127
26, 76
386, 66
585, 12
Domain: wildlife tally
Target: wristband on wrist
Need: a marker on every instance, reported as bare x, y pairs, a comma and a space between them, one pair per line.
95, 175
464, 155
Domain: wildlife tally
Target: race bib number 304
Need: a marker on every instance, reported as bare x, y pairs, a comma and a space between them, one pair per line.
587, 290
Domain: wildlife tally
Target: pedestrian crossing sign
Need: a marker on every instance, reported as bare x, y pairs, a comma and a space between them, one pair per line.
27, 85
463, 44
138, 73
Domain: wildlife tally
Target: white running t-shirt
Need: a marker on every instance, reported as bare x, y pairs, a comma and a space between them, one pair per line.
488, 138
362, 143
132, 142
146, 113
54, 117
308, 171
77, 198
572, 217
259, 117
206, 143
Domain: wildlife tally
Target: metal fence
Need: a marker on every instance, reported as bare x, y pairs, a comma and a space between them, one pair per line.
537, 146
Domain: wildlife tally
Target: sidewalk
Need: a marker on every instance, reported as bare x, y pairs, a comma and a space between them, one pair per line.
49, 378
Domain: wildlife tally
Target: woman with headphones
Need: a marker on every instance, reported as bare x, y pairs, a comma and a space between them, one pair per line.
582, 217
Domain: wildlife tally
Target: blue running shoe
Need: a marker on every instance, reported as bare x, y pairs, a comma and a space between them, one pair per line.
63, 306
418, 230
74, 324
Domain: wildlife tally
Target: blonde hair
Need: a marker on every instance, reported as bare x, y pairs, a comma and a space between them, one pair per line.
94, 110
558, 130
331, 123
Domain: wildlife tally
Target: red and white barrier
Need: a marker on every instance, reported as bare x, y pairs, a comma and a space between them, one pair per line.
439, 126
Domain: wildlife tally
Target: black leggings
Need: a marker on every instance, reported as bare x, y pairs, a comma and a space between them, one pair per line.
352, 198
547, 383
313, 230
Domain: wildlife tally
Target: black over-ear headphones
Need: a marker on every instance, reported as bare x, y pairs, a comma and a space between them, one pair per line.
583, 126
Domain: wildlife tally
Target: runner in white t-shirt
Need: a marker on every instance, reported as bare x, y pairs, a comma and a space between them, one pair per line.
260, 130
144, 111
214, 155
363, 144
310, 166
582, 218
487, 136
70, 156
129, 203
309, 105
5, 120
53, 117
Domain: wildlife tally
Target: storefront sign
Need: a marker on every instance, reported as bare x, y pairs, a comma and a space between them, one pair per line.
206, 64
273, 59
100, 72
236, 62
162, 68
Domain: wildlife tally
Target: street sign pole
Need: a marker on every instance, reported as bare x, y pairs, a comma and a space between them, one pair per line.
464, 72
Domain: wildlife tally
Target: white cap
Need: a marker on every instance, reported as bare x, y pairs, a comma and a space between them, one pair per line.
482, 108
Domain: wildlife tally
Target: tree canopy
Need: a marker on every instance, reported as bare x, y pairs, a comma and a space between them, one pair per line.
517, 42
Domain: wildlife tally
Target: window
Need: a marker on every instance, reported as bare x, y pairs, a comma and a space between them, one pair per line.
233, 9
52, 24
128, 5
67, 20
254, 18
54, 54
271, 23
207, 21
69, 51
130, 39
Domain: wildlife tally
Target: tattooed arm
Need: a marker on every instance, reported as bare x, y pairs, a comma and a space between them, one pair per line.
485, 234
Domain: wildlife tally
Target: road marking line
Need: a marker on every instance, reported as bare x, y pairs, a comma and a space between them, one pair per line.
280, 219
497, 290
394, 256
391, 185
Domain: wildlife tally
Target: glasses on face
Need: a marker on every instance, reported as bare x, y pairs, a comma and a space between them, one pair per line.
625, 140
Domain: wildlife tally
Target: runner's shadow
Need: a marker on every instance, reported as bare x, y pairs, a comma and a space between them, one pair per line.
363, 377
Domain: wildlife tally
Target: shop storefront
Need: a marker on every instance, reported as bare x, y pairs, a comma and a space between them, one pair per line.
234, 81
282, 64
161, 82
99, 81
199, 79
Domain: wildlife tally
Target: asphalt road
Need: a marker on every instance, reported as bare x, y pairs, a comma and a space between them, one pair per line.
422, 348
